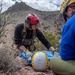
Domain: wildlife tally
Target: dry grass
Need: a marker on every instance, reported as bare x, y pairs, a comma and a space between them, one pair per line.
7, 60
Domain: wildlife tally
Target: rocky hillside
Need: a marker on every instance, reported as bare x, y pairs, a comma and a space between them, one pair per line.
51, 22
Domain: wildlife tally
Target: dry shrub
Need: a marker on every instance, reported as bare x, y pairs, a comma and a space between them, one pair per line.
7, 60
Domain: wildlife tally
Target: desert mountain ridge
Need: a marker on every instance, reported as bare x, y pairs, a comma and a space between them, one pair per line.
51, 21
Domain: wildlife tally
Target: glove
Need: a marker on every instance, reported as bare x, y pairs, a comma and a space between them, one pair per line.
28, 53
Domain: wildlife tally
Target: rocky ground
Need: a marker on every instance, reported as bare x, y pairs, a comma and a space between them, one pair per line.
6, 42
27, 71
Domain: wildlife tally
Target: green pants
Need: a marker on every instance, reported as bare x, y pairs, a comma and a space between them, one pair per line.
61, 67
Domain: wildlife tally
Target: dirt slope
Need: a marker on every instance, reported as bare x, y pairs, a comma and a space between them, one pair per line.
7, 43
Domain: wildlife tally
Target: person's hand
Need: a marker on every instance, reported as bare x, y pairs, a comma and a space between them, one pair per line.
28, 53
55, 53
51, 49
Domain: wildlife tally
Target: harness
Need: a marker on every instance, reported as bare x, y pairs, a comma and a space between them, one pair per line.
28, 43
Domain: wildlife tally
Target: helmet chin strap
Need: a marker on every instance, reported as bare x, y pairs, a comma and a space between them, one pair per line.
29, 26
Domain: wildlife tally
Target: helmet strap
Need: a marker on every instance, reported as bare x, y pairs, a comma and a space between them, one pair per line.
24, 29
27, 25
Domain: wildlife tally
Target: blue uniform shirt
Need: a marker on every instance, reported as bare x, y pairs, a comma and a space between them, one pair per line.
67, 44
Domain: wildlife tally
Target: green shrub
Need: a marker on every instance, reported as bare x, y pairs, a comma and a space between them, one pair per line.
53, 39
7, 60
1, 30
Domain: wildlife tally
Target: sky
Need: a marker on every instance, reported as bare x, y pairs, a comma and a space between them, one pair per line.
42, 5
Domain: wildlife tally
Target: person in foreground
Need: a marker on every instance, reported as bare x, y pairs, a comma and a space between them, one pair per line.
65, 64
25, 34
